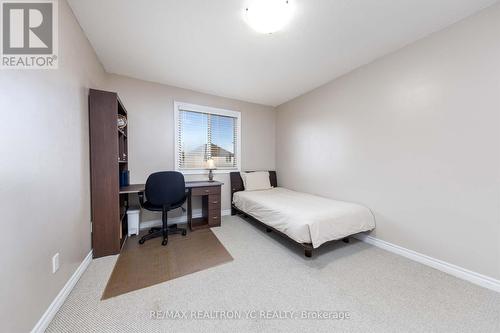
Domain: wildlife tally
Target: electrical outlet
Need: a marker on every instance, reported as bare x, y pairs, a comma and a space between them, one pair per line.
55, 263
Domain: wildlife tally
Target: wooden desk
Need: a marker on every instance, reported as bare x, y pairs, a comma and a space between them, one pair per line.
136, 188
210, 204
210, 198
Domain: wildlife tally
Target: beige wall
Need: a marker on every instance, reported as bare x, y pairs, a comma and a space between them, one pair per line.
44, 176
150, 109
415, 136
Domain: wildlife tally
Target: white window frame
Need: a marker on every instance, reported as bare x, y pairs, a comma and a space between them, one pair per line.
211, 110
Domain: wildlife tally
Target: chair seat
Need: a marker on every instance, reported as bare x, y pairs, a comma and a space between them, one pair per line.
149, 206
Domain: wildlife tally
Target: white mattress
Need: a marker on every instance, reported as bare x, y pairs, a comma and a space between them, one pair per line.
304, 217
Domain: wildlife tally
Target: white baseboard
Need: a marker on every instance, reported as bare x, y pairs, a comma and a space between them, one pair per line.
49, 314
178, 219
457, 271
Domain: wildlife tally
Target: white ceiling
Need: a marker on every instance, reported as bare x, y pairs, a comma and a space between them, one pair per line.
206, 45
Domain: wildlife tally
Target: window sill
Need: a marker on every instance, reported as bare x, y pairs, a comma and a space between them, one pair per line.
205, 171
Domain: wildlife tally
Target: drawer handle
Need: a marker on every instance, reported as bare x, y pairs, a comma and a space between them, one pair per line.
206, 191
215, 217
214, 202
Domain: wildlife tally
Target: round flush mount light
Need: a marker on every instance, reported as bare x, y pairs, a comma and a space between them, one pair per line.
268, 16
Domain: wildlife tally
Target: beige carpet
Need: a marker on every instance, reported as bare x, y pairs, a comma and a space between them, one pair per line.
139, 266
382, 292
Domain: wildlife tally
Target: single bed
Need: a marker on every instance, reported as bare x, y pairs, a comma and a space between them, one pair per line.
309, 220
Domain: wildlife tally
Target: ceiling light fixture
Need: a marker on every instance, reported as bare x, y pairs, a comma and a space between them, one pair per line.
268, 16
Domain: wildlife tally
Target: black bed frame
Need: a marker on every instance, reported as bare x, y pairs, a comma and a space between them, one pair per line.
237, 185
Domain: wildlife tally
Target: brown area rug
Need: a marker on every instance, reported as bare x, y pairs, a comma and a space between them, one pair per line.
140, 266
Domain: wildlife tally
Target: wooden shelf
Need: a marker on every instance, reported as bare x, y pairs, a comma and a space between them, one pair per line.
109, 219
199, 223
121, 107
122, 132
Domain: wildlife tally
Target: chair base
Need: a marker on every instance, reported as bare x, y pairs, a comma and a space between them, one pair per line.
159, 232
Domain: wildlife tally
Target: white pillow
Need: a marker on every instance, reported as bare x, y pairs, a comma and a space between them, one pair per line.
244, 178
254, 181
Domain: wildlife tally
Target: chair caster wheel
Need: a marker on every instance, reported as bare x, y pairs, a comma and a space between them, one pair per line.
141, 241
164, 242
184, 232
151, 231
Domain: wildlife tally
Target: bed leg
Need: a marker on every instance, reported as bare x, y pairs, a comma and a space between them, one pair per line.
233, 211
345, 240
308, 253
269, 230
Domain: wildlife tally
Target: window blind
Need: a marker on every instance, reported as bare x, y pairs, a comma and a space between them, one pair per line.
203, 136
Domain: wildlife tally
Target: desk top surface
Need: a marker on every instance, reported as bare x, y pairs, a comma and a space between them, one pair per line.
133, 188
203, 183
136, 188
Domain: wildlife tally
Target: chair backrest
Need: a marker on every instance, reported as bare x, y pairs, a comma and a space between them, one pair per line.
164, 188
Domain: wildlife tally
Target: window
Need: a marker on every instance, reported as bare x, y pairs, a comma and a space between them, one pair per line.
203, 133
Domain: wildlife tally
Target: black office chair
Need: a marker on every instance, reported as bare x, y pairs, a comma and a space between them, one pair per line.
165, 191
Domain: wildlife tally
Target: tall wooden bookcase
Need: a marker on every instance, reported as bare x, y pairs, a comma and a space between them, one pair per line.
108, 157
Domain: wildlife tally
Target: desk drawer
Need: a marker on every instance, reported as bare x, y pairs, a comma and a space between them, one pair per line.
214, 220
214, 212
205, 190
214, 209
214, 199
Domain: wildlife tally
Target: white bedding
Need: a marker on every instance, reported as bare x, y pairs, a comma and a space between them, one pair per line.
304, 217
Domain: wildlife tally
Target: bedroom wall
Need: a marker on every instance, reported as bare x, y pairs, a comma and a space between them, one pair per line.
44, 176
415, 136
150, 109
